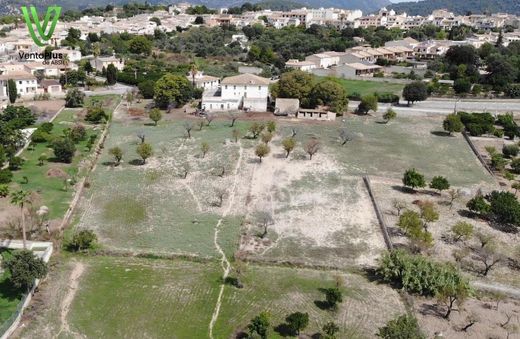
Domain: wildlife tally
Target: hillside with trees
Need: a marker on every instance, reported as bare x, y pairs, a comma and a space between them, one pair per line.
458, 7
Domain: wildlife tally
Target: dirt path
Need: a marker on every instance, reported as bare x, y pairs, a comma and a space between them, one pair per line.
495, 287
74, 279
226, 266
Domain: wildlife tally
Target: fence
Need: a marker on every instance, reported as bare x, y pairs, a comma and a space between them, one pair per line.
379, 213
474, 149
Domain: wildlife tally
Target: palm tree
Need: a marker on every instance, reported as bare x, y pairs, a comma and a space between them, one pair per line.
194, 69
19, 199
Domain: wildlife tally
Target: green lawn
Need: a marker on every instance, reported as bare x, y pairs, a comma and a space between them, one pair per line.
52, 188
10, 296
364, 87
132, 298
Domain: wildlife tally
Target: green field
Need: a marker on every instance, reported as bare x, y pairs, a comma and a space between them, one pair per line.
51, 188
127, 298
388, 150
152, 298
365, 87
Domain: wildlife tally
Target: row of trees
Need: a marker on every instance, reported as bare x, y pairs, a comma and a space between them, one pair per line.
310, 91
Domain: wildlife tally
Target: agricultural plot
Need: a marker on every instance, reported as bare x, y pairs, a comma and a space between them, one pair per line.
317, 214
387, 150
320, 210
367, 87
282, 291
151, 207
150, 298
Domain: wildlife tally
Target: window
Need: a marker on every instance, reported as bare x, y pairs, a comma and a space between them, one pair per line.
259, 88
234, 87
225, 87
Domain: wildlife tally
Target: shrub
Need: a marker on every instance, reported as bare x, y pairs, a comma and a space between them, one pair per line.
82, 240
15, 163
64, 149
4, 191
498, 162
510, 151
74, 98
478, 205
499, 133
515, 165
417, 274
5, 176
96, 115
440, 183
504, 207
387, 98
40, 136
403, 327
78, 133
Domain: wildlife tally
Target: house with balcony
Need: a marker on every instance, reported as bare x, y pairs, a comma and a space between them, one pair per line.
245, 91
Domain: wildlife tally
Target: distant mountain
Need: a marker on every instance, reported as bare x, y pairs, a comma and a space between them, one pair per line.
462, 7
367, 6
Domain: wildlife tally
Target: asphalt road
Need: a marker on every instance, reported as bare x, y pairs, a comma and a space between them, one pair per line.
447, 106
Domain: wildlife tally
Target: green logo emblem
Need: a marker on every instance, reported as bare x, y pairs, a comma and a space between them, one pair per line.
41, 38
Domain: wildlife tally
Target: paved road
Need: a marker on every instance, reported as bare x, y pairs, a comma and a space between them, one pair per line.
446, 106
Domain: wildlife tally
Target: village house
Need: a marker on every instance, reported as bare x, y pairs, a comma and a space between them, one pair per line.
206, 82
101, 63
26, 84
245, 91
51, 86
306, 66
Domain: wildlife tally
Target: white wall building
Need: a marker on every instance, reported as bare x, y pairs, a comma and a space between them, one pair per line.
245, 91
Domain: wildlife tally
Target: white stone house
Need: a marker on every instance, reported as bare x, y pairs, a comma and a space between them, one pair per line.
26, 84
245, 91
206, 82
306, 66
102, 62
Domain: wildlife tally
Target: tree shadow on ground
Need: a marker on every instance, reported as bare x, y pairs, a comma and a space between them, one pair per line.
284, 330
431, 310
442, 134
136, 162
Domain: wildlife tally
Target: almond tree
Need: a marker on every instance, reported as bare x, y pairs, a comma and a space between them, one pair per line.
261, 151
117, 153
312, 147
236, 134
188, 126
233, 117
204, 147
288, 145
